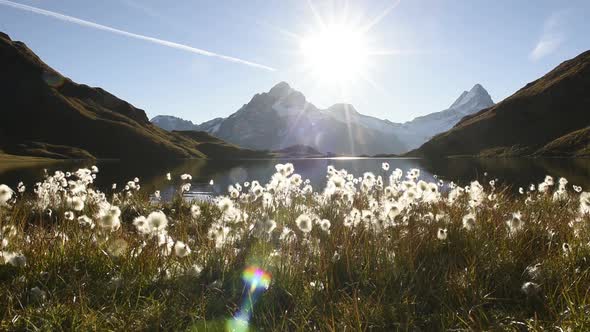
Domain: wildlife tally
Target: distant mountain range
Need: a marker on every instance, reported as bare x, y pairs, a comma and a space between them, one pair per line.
283, 117
548, 117
45, 114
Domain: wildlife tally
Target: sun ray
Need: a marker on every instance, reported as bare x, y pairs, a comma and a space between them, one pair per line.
316, 14
380, 17
289, 34
367, 78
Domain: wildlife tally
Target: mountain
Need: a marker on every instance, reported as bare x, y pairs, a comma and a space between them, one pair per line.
45, 114
416, 132
210, 126
549, 116
171, 123
283, 117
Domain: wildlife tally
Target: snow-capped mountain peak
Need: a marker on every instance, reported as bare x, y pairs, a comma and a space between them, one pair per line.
473, 99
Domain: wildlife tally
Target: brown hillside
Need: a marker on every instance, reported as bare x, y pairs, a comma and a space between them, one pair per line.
544, 110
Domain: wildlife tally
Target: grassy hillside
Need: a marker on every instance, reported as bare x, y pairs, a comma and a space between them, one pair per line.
215, 148
574, 144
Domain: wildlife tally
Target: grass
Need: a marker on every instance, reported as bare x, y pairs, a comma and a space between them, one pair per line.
9, 161
381, 274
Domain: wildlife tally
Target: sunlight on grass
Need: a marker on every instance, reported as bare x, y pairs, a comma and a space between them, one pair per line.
380, 251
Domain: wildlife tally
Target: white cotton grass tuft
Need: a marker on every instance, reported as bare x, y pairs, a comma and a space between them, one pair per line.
325, 225
515, 223
442, 234
285, 170
195, 211
195, 270
233, 192
304, 223
85, 221
110, 220
469, 221
13, 258
5, 194
181, 249
185, 188
141, 225
287, 235
75, 203
549, 180
225, 204
296, 180
585, 203
69, 215
186, 177
157, 221
385, 166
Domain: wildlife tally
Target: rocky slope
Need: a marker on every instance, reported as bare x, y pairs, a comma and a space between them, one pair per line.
548, 116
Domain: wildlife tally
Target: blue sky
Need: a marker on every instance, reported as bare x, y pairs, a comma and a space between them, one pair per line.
442, 48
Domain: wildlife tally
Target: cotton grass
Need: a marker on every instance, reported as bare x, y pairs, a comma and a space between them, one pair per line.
371, 251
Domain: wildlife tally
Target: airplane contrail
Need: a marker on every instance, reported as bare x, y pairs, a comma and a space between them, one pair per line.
162, 42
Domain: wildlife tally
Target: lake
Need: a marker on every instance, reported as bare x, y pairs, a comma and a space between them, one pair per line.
514, 172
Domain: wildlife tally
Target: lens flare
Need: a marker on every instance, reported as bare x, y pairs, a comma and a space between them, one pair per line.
256, 278
53, 79
256, 281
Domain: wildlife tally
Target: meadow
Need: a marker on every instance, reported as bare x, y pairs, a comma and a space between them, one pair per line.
372, 252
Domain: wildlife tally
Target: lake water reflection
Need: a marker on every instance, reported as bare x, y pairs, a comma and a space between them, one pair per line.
514, 172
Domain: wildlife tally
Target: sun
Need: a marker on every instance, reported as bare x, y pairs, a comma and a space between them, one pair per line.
337, 53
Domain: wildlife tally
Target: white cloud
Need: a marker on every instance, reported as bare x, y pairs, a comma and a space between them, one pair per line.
546, 46
553, 36
162, 42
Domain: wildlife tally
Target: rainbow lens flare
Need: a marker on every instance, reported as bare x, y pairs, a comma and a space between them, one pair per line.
256, 278
256, 281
